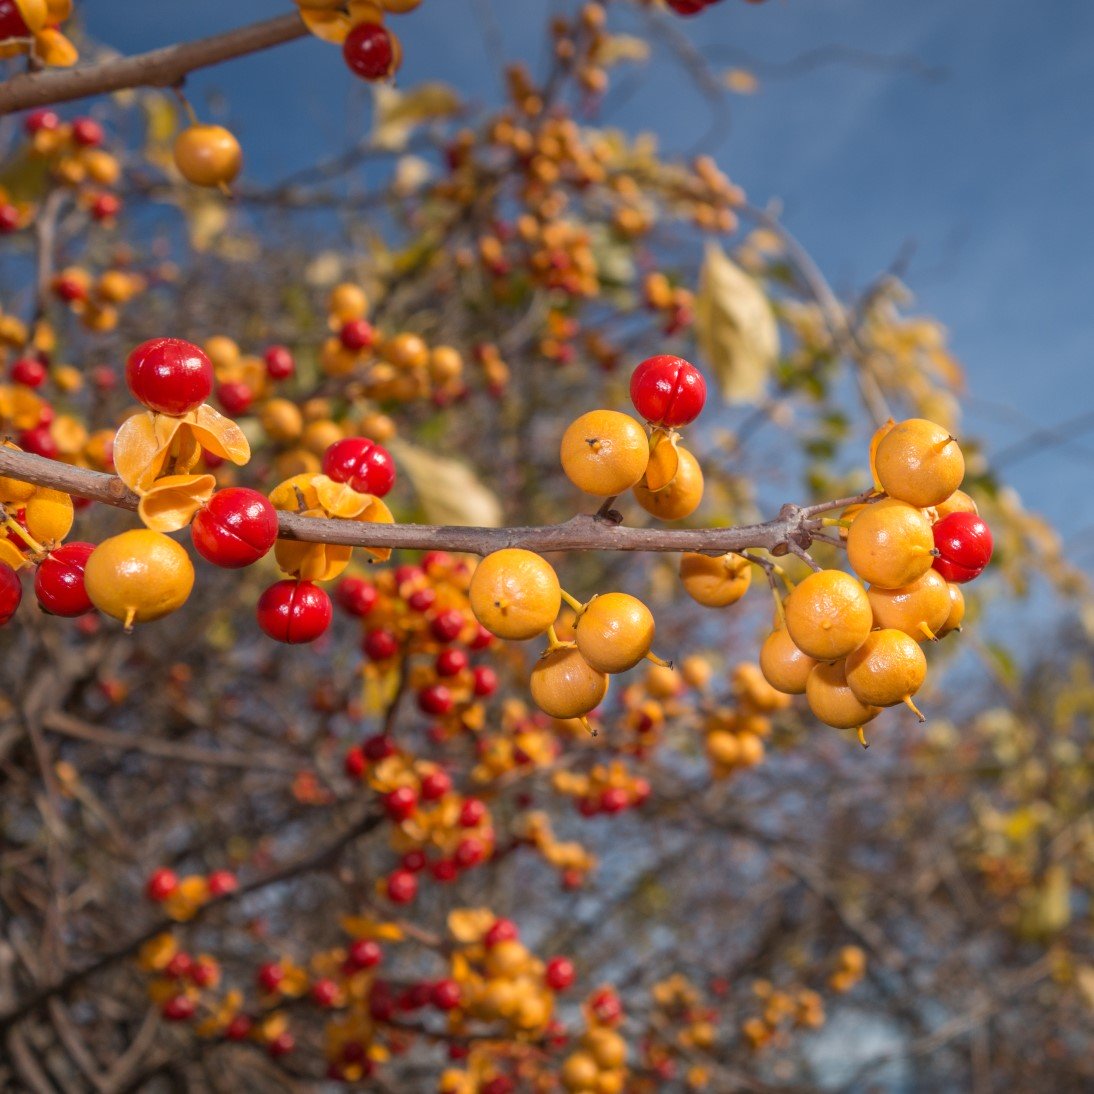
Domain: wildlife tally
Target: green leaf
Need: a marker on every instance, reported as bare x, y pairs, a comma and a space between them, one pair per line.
735, 327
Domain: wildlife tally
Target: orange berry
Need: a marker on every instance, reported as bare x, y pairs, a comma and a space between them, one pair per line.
715, 581
890, 544
565, 685
138, 576
614, 632
784, 666
208, 155
919, 609
680, 497
957, 611
515, 594
957, 502
828, 615
888, 668
832, 701
604, 452
919, 462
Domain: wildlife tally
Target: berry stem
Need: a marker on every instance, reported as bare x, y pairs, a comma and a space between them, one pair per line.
572, 601
13, 526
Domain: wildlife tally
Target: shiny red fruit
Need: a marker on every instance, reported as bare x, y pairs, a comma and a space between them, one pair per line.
11, 592
325, 992
280, 364
39, 441
470, 851
379, 645
435, 699
12, 24
501, 930
447, 625
444, 870
401, 802
450, 662
378, 747
59, 580
88, 132
369, 51
9, 218
294, 611
964, 546
402, 886
37, 119
179, 965
445, 995
362, 464
364, 953
435, 785
169, 375
687, 7
234, 528
559, 973
235, 396
472, 812
270, 976
282, 1044
421, 600
221, 882
28, 371
614, 800
485, 681
106, 207
356, 596
357, 334
668, 391
203, 972
179, 1008
239, 1028
161, 884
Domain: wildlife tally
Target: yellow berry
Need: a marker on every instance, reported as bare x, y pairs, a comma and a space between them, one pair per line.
715, 581
604, 452
919, 609
347, 301
579, 1072
957, 611
919, 462
723, 747
828, 615
515, 594
614, 632
606, 1046
680, 497
888, 668
832, 701
208, 155
957, 502
890, 544
138, 576
565, 685
784, 666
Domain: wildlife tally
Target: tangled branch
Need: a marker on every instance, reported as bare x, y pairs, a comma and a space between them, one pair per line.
792, 531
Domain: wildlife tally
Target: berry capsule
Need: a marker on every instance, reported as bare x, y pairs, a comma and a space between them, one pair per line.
294, 611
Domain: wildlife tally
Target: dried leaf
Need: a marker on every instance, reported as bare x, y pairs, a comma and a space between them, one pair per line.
735, 328
171, 502
141, 446
398, 114
449, 491
219, 435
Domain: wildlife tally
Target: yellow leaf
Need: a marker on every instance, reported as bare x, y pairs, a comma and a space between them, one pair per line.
449, 491
377, 513
171, 502
331, 26
140, 448
398, 114
57, 11
340, 500
664, 462
311, 561
219, 435
470, 924
735, 328
287, 495
11, 554
53, 48
363, 926
49, 515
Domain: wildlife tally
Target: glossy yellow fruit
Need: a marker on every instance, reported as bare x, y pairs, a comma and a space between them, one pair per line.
607, 1047
515, 594
579, 1072
347, 301
614, 632
723, 747
715, 581
957, 502
604, 452
208, 155
919, 609
784, 666
832, 701
138, 576
680, 497
957, 611
888, 668
565, 685
828, 615
919, 462
890, 544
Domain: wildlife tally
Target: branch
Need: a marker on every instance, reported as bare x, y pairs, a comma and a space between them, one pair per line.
793, 527
164, 67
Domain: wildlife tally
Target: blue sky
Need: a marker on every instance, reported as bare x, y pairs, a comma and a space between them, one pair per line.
980, 155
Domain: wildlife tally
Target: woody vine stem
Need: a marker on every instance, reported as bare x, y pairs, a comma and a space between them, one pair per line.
791, 532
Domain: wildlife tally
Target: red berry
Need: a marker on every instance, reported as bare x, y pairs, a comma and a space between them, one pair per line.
451, 662
447, 625
354, 762
356, 596
221, 882
402, 886
435, 699
406, 573
964, 544
325, 992
37, 119
235, 396
39, 441
169, 375
362, 464
435, 785
88, 132
239, 1028
501, 930
179, 1008
401, 802
379, 645
606, 1006
69, 289
280, 364
687, 7
436, 560
12, 24
485, 681
11, 592
444, 870
179, 965
364, 953
472, 813
415, 997
414, 861
668, 391
470, 851
106, 207
203, 972
614, 800
294, 611
499, 1084
9, 218
270, 976
282, 1044
445, 995
59, 580
161, 884
369, 51
28, 371
482, 639
421, 600
234, 528
378, 747
559, 974
357, 334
